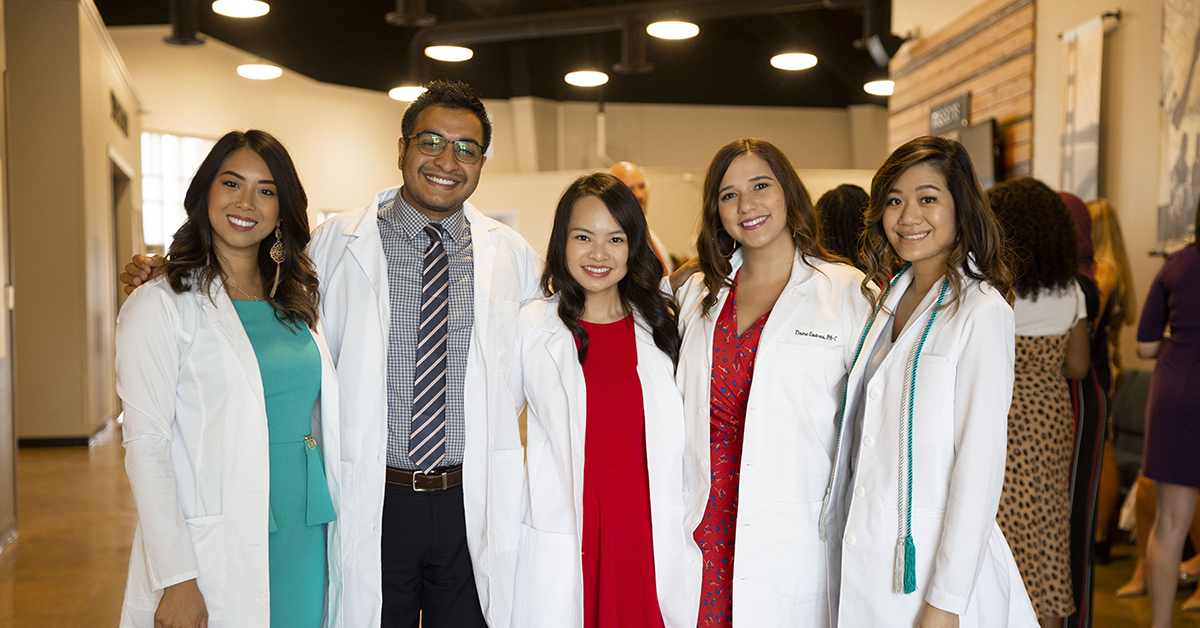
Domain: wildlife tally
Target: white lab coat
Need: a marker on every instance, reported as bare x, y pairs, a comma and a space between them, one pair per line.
963, 390
195, 436
348, 255
804, 354
549, 585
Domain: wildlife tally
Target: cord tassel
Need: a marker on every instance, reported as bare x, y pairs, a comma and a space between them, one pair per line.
910, 565
899, 568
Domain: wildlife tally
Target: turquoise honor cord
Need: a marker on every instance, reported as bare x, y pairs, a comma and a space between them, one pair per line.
905, 575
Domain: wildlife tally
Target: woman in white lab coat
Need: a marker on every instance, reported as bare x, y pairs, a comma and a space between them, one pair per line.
605, 428
230, 399
768, 328
921, 447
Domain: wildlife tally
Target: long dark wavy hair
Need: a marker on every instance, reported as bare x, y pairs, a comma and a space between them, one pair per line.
715, 246
193, 263
1039, 233
979, 234
841, 213
639, 288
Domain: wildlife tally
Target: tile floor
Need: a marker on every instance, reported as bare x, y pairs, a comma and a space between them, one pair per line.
76, 520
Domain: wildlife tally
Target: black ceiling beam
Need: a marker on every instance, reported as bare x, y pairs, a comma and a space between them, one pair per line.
595, 20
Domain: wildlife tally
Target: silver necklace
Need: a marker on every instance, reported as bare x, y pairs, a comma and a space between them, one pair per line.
248, 296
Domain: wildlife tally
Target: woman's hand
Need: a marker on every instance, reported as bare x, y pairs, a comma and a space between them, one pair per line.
140, 270
181, 606
933, 617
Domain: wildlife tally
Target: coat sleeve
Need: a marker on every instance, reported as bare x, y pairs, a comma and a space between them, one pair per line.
982, 395
529, 264
147, 369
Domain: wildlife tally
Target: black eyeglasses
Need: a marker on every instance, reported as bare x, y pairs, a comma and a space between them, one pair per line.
432, 144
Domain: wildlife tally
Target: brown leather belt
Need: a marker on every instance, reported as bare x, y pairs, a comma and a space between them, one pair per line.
418, 481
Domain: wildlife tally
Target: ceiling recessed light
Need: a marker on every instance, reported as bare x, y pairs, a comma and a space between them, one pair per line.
448, 53
794, 61
586, 78
673, 30
241, 8
879, 88
406, 93
259, 71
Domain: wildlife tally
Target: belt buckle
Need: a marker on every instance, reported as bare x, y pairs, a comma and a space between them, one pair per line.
427, 490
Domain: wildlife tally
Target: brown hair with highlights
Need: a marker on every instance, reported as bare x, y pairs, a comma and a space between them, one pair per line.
979, 236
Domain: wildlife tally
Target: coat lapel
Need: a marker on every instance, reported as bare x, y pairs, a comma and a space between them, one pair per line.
788, 300
219, 310
484, 245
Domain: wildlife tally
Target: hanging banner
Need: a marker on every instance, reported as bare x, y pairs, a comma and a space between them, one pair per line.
1179, 164
1083, 54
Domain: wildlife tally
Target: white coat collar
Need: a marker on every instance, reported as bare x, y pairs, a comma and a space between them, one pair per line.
219, 309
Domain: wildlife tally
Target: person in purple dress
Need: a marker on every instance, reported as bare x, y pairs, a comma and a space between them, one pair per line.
1172, 417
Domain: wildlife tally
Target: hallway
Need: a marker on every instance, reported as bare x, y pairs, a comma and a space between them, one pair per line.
67, 568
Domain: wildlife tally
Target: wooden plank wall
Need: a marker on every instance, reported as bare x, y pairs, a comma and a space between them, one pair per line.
987, 52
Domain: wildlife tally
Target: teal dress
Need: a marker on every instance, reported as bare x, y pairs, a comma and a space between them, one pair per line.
290, 364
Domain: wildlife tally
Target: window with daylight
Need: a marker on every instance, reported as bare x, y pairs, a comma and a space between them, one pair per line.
168, 163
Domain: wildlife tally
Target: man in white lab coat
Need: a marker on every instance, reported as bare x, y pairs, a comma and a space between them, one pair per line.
435, 536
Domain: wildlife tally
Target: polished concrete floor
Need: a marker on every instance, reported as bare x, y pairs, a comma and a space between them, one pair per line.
76, 520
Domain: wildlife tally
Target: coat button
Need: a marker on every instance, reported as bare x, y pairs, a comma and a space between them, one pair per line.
875, 395
695, 566
868, 441
850, 538
859, 491
695, 518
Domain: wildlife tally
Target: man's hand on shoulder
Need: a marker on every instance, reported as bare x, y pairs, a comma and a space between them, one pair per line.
140, 269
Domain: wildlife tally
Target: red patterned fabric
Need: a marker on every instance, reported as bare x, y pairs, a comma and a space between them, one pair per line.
732, 371
618, 551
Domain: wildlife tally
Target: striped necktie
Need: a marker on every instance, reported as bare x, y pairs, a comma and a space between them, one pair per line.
427, 438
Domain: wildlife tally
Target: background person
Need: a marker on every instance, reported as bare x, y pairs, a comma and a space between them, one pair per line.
768, 329
230, 397
597, 368
1172, 417
841, 213
912, 531
1051, 346
631, 175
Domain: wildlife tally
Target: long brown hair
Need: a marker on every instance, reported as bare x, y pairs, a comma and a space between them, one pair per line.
715, 246
193, 263
978, 232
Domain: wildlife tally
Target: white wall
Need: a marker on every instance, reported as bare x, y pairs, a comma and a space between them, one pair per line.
344, 139
1129, 132
64, 227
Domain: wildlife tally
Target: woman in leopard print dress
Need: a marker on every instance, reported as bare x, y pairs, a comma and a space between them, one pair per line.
1052, 345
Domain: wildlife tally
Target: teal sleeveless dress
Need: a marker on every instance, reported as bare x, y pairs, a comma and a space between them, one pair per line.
290, 364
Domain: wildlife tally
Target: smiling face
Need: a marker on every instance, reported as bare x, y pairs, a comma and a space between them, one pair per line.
243, 208
597, 250
752, 206
438, 186
918, 218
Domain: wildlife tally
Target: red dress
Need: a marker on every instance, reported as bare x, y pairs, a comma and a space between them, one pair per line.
732, 371
618, 556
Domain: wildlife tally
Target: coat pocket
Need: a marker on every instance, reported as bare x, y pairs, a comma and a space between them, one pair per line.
549, 585
210, 539
798, 555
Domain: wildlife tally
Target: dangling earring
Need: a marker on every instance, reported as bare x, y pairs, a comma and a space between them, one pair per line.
277, 257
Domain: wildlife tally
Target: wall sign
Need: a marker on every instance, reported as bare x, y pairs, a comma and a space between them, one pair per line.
118, 115
951, 115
